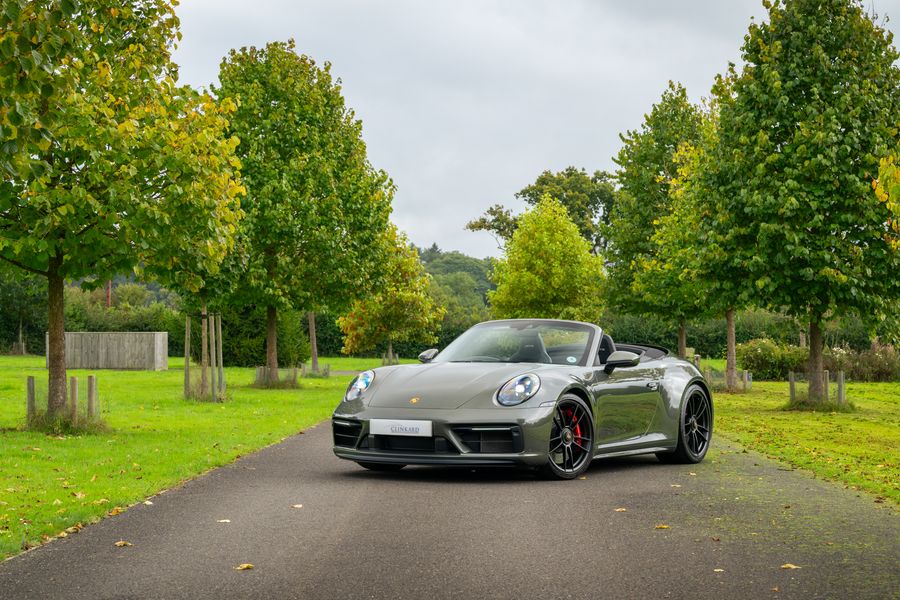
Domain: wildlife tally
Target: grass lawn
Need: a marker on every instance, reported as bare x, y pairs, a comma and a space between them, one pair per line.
157, 440
859, 449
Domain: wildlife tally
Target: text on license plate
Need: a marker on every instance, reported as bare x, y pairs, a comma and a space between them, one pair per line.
400, 427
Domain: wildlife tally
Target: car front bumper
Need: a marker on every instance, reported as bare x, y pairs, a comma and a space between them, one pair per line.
465, 438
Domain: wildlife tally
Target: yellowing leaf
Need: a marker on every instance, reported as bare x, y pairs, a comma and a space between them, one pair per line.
243, 567
789, 566
123, 543
117, 510
224, 521
718, 570
662, 527
621, 509
296, 506
675, 485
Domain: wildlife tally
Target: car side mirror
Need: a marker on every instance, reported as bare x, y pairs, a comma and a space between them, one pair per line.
621, 358
428, 355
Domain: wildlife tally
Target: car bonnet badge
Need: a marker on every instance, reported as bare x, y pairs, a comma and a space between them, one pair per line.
414, 400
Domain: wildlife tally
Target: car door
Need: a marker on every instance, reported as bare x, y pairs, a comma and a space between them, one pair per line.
627, 400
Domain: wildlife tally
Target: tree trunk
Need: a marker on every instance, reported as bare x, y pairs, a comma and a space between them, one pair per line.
219, 354
187, 357
682, 341
213, 372
56, 341
390, 352
108, 293
816, 371
730, 353
21, 348
204, 351
272, 343
313, 344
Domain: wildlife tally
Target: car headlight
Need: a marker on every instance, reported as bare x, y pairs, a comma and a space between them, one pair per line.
359, 385
518, 390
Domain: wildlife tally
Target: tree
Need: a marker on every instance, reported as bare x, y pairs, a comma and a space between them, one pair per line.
316, 210
548, 269
588, 200
109, 165
647, 167
813, 109
401, 310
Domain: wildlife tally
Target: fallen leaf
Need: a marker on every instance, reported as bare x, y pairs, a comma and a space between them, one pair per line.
789, 566
715, 539
621, 509
582, 477
776, 589
100, 501
115, 511
57, 502
662, 527
243, 567
123, 543
62, 534
296, 506
148, 503
718, 570
78, 495
94, 478
691, 473
224, 521
675, 485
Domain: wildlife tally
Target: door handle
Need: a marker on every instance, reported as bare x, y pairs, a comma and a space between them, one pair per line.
652, 385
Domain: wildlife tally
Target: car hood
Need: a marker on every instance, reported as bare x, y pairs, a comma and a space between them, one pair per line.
442, 385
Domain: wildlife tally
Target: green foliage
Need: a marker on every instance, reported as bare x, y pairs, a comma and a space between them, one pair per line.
588, 199
86, 312
438, 262
131, 294
548, 269
316, 210
401, 310
128, 168
244, 337
887, 190
23, 301
647, 167
801, 131
769, 360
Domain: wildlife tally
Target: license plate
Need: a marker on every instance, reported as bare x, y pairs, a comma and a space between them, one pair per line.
400, 427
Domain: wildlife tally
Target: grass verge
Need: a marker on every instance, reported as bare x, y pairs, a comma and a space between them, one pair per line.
156, 440
858, 449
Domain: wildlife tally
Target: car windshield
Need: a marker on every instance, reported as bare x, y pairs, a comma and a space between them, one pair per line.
524, 341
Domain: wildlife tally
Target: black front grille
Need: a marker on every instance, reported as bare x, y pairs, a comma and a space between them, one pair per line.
491, 439
346, 432
404, 443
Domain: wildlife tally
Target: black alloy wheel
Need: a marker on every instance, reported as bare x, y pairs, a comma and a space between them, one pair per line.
571, 438
695, 428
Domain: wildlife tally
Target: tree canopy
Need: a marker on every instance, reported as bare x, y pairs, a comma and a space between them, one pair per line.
317, 211
548, 269
400, 310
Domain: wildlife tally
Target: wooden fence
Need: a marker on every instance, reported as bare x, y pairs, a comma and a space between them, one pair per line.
129, 350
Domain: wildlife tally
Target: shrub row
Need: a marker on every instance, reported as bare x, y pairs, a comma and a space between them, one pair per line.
767, 359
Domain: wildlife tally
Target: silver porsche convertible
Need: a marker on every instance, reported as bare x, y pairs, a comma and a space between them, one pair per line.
540, 393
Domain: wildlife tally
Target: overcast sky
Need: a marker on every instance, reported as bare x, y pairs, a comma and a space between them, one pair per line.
465, 102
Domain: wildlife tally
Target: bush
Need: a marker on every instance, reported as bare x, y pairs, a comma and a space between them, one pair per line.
880, 362
767, 359
244, 337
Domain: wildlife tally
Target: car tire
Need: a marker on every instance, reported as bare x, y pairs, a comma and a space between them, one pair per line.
571, 439
380, 466
695, 424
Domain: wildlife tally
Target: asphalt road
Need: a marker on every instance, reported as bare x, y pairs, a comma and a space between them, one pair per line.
733, 521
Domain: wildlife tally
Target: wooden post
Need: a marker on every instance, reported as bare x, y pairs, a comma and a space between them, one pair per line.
214, 390
219, 354
204, 349
73, 399
187, 356
744, 379
793, 386
29, 399
749, 380
92, 397
697, 360
842, 391
825, 382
